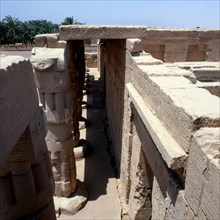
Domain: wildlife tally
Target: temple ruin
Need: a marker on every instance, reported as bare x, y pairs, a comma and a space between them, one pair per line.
161, 89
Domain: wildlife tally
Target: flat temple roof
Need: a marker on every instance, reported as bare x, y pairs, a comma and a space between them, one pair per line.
81, 32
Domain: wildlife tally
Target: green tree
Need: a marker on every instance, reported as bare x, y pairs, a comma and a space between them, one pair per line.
3, 32
11, 25
70, 20
14, 31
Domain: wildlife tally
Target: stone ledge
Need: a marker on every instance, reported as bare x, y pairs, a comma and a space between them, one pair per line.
172, 153
80, 32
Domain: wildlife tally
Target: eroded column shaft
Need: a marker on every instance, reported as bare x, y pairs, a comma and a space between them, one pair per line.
54, 87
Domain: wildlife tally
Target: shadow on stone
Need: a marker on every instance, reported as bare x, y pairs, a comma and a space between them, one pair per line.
72, 204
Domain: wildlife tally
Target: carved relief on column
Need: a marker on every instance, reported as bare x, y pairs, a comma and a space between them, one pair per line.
26, 180
54, 88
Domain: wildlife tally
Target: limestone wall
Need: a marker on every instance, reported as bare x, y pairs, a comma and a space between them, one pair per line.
173, 45
26, 179
164, 126
113, 76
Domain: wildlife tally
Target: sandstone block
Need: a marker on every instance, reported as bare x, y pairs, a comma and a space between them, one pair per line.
47, 40
201, 191
146, 59
75, 32
17, 105
173, 156
158, 202
212, 87
187, 110
207, 74
141, 180
134, 45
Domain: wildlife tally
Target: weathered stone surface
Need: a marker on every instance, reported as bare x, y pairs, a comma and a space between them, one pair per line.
158, 202
202, 177
171, 152
207, 74
134, 45
54, 87
74, 202
38, 130
141, 180
78, 32
59, 132
50, 73
14, 72
47, 40
212, 87
26, 182
145, 59
167, 70
91, 60
187, 111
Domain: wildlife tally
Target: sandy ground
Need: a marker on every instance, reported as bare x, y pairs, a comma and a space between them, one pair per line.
26, 53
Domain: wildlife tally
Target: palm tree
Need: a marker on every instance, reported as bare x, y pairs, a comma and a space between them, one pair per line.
12, 26
70, 20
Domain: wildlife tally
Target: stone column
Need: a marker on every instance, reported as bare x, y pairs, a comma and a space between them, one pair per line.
26, 180
76, 67
54, 85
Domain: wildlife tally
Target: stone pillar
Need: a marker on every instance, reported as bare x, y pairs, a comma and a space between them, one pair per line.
76, 67
58, 95
54, 87
26, 180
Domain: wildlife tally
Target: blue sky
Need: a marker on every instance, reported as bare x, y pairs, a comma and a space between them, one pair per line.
157, 13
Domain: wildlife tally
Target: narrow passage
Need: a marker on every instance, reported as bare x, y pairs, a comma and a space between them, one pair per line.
97, 169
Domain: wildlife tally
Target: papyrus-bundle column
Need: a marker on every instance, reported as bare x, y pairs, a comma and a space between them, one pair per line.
54, 87
26, 180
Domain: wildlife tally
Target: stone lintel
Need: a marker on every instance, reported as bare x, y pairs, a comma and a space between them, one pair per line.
171, 152
80, 32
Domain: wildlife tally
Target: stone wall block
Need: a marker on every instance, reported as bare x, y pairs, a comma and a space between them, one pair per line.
47, 40
158, 202
23, 184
